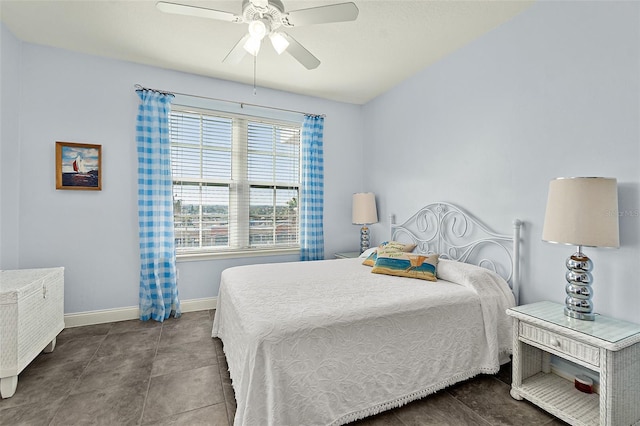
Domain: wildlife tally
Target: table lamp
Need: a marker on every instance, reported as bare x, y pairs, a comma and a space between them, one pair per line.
581, 211
364, 213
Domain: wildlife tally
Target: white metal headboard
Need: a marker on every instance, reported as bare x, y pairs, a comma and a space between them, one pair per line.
444, 229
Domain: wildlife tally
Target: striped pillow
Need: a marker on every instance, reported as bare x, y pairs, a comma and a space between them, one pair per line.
408, 265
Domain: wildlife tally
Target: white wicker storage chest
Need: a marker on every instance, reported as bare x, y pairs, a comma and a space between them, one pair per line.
31, 316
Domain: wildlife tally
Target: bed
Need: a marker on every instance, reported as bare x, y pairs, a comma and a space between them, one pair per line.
328, 342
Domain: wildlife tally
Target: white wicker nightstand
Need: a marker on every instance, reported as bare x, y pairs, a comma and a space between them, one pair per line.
608, 347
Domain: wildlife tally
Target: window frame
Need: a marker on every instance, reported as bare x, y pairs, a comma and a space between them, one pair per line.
240, 166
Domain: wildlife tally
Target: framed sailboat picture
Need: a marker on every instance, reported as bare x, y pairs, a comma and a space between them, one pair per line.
78, 166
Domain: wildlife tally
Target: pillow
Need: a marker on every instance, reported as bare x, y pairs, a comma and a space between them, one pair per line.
368, 252
408, 265
395, 245
371, 259
387, 246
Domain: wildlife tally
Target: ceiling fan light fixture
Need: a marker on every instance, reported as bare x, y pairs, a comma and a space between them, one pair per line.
252, 45
279, 42
258, 29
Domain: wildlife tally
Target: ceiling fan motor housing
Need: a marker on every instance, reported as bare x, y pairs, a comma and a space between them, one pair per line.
272, 12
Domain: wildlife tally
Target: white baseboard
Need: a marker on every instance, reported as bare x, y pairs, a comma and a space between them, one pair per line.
128, 313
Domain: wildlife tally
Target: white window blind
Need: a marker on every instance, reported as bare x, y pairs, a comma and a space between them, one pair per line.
236, 181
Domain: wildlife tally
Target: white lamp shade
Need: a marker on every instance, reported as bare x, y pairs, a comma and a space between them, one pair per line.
258, 29
582, 211
279, 42
252, 45
364, 208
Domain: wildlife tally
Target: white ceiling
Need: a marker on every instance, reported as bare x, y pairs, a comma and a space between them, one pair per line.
390, 40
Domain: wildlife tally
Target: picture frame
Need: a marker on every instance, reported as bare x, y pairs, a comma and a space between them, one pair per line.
78, 166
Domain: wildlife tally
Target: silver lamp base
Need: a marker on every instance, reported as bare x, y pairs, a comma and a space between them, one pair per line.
579, 315
364, 239
578, 303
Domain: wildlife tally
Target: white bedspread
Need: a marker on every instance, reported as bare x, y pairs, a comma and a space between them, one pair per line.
328, 342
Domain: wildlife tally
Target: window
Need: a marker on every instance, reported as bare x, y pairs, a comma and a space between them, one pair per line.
236, 182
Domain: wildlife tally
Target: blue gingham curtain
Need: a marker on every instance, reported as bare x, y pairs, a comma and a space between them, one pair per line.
312, 191
158, 285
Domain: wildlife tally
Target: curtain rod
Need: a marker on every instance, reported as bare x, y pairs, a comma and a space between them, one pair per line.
242, 104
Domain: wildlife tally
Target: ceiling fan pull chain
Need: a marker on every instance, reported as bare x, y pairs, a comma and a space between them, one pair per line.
255, 61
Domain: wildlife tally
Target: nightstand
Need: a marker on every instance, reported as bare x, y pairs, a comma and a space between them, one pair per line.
608, 347
347, 255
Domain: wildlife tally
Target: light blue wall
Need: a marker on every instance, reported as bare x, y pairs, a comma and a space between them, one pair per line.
72, 97
553, 92
9, 147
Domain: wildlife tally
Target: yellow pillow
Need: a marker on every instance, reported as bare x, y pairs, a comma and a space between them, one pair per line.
371, 260
395, 245
408, 265
388, 246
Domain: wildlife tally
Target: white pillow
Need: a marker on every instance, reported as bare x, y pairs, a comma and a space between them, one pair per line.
368, 252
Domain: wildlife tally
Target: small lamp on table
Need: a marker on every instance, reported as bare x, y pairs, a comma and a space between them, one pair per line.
364, 213
581, 211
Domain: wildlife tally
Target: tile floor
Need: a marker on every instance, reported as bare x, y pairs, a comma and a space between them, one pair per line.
174, 373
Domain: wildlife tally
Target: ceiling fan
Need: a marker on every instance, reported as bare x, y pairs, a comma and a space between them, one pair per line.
266, 18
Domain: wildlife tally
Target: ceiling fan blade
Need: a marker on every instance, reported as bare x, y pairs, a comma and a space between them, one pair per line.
340, 12
238, 52
301, 54
200, 12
